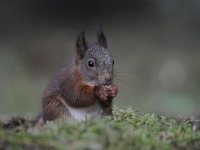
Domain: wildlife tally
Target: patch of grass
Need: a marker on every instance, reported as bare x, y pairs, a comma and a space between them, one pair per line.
125, 130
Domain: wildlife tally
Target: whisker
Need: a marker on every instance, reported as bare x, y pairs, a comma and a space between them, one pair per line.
122, 71
125, 77
125, 83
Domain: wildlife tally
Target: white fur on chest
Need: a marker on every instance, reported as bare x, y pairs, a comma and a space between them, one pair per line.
82, 114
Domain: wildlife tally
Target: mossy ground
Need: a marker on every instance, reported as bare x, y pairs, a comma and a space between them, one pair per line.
125, 130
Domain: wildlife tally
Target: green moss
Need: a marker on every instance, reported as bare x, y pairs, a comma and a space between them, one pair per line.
125, 130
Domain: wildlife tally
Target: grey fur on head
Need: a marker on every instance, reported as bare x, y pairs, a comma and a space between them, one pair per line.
96, 61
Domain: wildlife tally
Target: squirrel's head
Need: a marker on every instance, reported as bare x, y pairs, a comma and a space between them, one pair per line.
95, 61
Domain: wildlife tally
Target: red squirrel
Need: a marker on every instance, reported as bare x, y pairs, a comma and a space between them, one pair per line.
84, 89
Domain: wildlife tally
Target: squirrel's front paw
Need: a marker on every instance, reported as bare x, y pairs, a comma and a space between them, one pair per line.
104, 92
101, 92
112, 90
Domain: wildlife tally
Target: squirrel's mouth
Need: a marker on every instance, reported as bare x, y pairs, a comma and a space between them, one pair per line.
100, 80
94, 83
90, 84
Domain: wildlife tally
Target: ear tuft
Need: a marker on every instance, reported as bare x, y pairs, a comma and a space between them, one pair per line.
102, 38
81, 45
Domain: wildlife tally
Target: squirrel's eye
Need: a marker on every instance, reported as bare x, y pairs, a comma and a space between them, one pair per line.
90, 63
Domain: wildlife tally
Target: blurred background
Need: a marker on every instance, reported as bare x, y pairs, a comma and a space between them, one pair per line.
156, 46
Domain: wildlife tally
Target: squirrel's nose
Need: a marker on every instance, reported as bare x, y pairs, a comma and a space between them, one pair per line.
108, 79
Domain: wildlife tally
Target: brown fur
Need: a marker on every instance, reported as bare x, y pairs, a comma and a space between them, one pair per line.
69, 85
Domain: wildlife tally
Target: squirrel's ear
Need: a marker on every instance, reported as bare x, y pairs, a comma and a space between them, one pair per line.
81, 45
102, 38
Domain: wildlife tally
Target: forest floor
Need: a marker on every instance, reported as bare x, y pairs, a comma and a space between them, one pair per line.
128, 130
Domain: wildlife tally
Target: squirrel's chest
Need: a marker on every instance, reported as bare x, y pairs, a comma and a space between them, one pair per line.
81, 114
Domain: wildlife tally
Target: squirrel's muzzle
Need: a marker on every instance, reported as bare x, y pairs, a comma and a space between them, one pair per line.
108, 79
